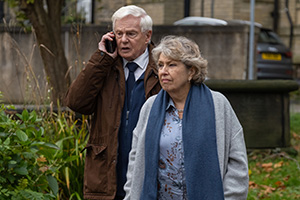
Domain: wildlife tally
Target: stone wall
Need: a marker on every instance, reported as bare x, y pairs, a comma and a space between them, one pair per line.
21, 68
262, 107
225, 47
23, 77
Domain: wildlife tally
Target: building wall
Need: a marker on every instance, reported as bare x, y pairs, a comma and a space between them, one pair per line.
224, 47
155, 8
297, 14
165, 12
104, 10
224, 9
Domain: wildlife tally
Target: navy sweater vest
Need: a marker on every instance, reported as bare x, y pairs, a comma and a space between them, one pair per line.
128, 122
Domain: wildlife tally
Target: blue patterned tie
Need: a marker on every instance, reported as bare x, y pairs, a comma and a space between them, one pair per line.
132, 66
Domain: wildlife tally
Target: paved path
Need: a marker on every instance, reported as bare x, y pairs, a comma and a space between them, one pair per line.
295, 104
295, 107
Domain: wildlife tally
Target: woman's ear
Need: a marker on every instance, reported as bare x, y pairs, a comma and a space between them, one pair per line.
192, 72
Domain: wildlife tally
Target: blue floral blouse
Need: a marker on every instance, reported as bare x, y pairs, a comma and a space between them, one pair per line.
171, 178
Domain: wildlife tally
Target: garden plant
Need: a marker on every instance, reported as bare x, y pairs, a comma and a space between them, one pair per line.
40, 154
275, 173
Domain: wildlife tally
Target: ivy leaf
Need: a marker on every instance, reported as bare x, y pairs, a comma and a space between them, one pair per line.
50, 145
7, 141
21, 170
52, 184
12, 162
25, 115
40, 132
21, 135
32, 116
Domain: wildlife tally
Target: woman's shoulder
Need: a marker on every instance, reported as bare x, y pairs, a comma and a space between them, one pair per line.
150, 100
220, 100
146, 108
218, 96
148, 104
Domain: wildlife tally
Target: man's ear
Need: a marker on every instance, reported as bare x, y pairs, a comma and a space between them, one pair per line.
148, 36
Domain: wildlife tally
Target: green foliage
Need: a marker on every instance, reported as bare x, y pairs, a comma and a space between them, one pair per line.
295, 122
274, 174
70, 14
70, 135
295, 95
22, 143
40, 155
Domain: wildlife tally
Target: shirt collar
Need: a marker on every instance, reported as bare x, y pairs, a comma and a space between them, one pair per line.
142, 60
170, 104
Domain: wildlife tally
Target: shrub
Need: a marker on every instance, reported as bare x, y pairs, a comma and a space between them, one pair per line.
25, 169
40, 155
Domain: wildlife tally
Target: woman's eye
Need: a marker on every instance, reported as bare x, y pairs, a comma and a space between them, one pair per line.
172, 65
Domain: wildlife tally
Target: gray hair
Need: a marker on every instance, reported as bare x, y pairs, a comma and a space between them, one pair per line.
146, 21
182, 49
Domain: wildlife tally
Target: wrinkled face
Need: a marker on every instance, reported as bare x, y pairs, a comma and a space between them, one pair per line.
131, 42
173, 75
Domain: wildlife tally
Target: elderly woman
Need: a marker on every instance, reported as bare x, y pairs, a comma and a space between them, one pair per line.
188, 142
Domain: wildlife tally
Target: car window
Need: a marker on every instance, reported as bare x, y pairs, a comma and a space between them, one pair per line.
268, 37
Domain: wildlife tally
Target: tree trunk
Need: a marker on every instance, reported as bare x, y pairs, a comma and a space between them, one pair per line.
46, 22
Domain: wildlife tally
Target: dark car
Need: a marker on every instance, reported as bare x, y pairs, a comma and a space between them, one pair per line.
273, 58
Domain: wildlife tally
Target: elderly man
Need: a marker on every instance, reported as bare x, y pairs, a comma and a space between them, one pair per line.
113, 86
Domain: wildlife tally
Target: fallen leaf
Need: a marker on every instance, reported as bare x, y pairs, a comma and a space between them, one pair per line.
252, 185
258, 164
41, 159
279, 183
267, 165
268, 189
269, 169
279, 164
44, 168
296, 136
286, 178
267, 175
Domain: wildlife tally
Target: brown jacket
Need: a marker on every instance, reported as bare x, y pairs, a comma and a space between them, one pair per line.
99, 89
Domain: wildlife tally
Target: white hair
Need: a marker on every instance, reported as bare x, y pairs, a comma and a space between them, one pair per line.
145, 23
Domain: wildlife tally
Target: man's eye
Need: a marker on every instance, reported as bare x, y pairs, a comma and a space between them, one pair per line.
119, 34
132, 34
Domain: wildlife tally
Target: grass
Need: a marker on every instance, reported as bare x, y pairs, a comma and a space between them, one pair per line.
275, 174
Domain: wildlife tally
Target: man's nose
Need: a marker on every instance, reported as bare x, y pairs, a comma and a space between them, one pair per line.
124, 38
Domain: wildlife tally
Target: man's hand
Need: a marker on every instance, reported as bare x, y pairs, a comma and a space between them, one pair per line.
101, 45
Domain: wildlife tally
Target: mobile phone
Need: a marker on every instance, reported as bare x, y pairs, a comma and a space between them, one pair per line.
110, 45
